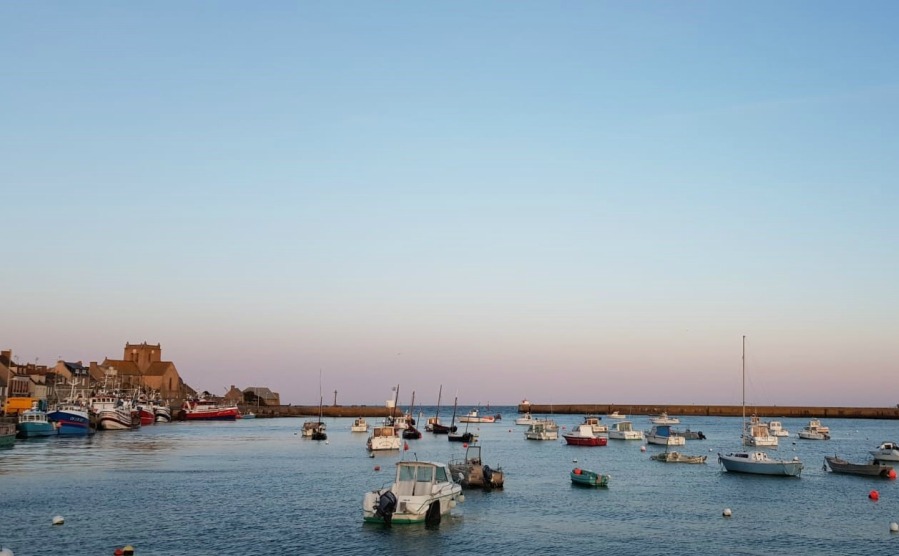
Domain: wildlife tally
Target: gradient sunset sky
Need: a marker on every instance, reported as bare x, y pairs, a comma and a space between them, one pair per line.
570, 202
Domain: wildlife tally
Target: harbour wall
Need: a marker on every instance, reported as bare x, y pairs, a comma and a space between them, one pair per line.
600, 409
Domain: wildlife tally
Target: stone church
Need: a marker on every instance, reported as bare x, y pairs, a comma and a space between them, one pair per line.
141, 366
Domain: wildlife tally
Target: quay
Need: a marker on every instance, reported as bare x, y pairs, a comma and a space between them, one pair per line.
601, 409
718, 410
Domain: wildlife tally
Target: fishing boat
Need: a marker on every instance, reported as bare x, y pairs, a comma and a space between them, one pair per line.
114, 413
384, 438
777, 429
624, 430
33, 423
661, 434
584, 436
817, 425
204, 409
474, 416
583, 477
756, 433
543, 429
247, 415
616, 415
757, 463
162, 412
871, 469
71, 419
359, 425
455, 436
887, 451
422, 492
472, 472
688, 434
664, 419
677, 457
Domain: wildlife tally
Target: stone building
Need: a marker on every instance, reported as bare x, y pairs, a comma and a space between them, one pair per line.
141, 367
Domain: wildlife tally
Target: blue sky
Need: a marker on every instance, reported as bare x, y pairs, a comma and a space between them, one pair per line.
565, 201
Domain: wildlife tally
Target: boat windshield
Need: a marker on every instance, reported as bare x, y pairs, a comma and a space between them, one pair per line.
425, 474
441, 475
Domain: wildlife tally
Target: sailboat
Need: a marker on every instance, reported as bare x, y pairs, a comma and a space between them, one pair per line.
463, 437
319, 432
434, 425
410, 432
757, 463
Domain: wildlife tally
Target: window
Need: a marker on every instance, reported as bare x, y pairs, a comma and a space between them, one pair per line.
425, 474
407, 473
441, 475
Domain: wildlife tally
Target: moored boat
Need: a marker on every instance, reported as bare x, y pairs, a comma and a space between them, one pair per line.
887, 451
624, 430
616, 415
584, 436
661, 434
114, 413
756, 433
758, 463
664, 419
813, 431
7, 434
596, 425
584, 477
384, 438
474, 416
208, 410
543, 429
359, 425
161, 412
526, 419
472, 472
71, 419
871, 469
33, 423
677, 457
422, 492
777, 429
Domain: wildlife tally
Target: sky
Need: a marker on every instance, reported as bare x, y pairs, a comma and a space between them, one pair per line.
569, 202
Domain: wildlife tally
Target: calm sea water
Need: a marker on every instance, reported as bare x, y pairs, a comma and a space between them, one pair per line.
256, 487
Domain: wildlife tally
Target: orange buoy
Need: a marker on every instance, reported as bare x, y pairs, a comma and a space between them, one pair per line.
892, 474
577, 470
377, 468
874, 495
465, 444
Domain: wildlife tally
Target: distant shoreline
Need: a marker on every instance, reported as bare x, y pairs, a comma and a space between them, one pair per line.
600, 409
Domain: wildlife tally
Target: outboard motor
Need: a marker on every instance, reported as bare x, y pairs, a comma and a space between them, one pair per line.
488, 476
386, 507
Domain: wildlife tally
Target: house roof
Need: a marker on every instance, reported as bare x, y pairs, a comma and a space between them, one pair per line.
122, 367
158, 368
261, 392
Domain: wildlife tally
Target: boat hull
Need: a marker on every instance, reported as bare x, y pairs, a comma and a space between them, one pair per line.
71, 422
36, 430
224, 414
838, 465
573, 440
582, 477
745, 464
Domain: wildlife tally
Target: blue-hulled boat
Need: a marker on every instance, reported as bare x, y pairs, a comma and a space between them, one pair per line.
71, 420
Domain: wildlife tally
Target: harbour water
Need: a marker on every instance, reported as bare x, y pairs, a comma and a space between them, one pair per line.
256, 487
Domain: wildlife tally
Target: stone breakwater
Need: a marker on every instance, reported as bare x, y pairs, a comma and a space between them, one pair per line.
719, 410
601, 409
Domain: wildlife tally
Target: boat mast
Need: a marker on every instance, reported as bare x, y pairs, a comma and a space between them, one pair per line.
744, 385
396, 398
439, 393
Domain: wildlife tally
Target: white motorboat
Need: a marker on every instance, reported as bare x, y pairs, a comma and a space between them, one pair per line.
423, 491
757, 433
474, 416
777, 429
661, 434
664, 419
813, 432
624, 430
359, 425
543, 429
599, 429
616, 415
526, 419
384, 438
887, 451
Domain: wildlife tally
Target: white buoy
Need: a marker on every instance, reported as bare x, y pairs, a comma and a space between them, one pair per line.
371, 454
327, 441
726, 512
6, 552
642, 448
58, 520
894, 527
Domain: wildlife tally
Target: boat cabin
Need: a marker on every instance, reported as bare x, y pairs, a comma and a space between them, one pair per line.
417, 478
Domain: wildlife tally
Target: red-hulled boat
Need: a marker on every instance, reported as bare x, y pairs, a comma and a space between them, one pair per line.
208, 410
584, 436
